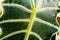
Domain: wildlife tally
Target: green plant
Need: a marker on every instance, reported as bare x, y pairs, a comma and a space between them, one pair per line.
41, 25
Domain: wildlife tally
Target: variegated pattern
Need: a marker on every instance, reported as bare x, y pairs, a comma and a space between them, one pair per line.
40, 14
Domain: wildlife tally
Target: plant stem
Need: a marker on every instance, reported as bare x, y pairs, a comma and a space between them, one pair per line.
30, 25
33, 14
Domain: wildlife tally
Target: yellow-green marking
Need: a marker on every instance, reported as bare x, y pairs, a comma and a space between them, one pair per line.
33, 14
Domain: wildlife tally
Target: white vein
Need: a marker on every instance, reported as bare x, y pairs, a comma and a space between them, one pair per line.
14, 20
47, 8
27, 20
18, 32
13, 33
36, 35
28, 10
47, 23
18, 6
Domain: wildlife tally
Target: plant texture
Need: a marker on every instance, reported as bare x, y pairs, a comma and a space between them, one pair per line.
28, 19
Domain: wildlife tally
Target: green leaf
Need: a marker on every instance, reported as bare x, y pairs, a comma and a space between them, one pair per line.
28, 19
